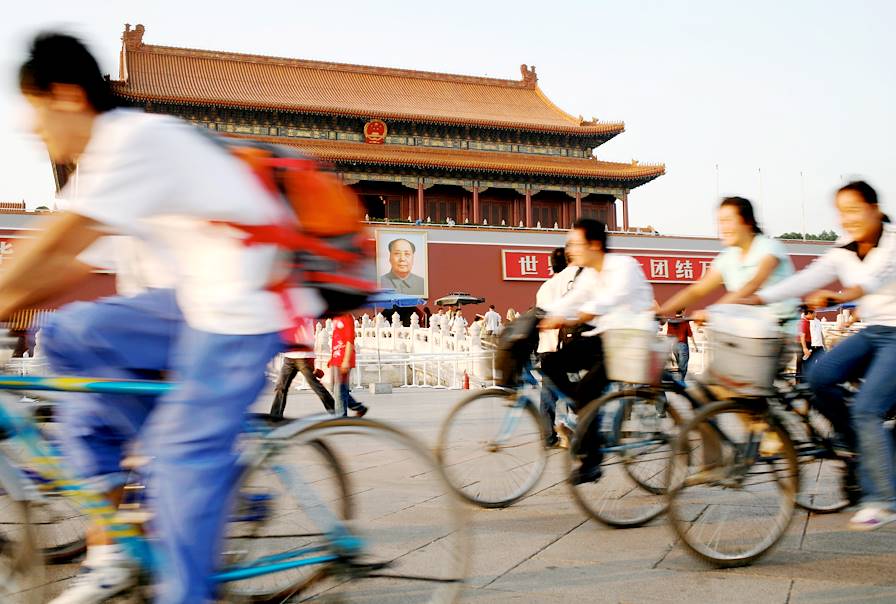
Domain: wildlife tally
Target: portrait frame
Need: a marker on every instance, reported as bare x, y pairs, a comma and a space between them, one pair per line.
420, 267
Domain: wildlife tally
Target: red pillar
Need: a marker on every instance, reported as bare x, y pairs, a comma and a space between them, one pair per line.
420, 209
476, 218
578, 204
528, 207
625, 211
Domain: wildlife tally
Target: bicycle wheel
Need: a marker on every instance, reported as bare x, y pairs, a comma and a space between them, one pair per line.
59, 524
21, 567
413, 527
732, 482
492, 448
823, 474
267, 519
636, 430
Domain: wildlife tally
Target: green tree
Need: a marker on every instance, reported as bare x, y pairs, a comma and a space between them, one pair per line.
822, 236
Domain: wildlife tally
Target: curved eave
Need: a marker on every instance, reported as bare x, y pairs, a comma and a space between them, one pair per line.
468, 161
606, 131
633, 181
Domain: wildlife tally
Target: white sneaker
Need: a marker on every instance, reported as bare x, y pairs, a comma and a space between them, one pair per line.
870, 518
100, 578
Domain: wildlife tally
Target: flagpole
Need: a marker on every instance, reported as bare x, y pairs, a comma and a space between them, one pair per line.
803, 203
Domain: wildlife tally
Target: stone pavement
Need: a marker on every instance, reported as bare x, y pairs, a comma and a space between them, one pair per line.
543, 549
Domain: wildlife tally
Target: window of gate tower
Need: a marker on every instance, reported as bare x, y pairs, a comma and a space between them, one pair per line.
546, 213
495, 211
440, 209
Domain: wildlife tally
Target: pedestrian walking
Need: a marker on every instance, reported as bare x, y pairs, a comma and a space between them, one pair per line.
342, 360
680, 329
300, 358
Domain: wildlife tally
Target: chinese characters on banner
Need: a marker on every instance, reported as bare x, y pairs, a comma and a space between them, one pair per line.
531, 265
674, 269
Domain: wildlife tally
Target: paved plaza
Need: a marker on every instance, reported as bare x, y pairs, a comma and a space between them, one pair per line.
543, 549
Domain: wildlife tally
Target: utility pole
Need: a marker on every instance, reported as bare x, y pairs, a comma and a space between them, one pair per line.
717, 182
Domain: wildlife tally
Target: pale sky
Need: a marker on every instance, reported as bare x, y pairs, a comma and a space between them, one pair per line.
781, 87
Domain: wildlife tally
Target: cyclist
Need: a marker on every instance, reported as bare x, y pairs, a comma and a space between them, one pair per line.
865, 266
158, 180
749, 260
608, 282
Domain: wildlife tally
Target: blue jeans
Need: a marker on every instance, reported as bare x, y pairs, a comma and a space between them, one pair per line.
682, 357
345, 394
871, 353
190, 432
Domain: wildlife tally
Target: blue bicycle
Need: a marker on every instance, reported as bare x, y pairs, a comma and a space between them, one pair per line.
299, 527
492, 443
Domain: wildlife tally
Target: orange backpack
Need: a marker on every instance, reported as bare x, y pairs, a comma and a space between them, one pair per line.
332, 251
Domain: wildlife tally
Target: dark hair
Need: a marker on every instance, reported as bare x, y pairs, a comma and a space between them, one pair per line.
558, 259
863, 189
866, 192
394, 241
803, 308
744, 210
594, 230
62, 59
492, 306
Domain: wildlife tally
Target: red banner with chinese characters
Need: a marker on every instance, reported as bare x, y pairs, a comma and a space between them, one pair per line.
674, 269
526, 265
535, 265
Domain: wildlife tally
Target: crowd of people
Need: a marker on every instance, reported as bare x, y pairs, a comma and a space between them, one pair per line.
208, 318
752, 269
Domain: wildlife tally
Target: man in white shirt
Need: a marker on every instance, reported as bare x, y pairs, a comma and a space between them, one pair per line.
492, 321
812, 349
608, 282
156, 179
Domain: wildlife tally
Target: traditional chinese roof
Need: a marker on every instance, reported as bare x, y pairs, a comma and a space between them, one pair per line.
340, 152
203, 77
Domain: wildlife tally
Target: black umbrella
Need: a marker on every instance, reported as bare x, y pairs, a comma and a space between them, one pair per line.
459, 299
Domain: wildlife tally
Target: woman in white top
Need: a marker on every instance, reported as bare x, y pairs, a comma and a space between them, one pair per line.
866, 266
749, 261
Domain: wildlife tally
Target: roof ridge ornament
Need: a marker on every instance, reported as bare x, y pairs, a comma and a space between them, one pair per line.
133, 38
530, 78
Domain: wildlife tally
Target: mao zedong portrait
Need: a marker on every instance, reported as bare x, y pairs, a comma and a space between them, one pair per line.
401, 260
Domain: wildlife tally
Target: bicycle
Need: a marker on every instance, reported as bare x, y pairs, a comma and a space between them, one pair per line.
300, 532
492, 444
637, 427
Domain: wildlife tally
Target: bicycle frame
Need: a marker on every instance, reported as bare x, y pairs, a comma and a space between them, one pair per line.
338, 542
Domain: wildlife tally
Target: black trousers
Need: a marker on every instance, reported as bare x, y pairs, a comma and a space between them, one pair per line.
287, 373
578, 354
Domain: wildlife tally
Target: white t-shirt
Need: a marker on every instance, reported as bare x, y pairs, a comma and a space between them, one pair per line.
619, 285
817, 333
136, 268
492, 321
551, 290
155, 178
876, 274
458, 324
